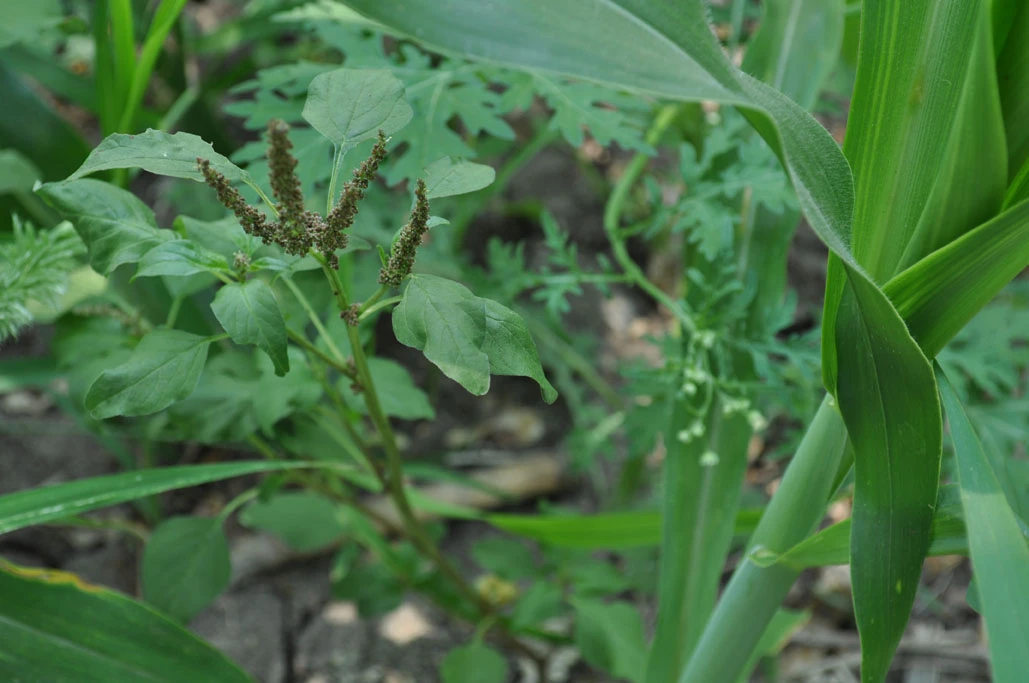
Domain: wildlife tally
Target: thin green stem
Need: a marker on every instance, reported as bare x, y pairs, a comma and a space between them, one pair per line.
395, 478
337, 162
380, 305
332, 276
315, 320
379, 293
305, 344
179, 107
755, 592
613, 214
173, 311
262, 447
236, 503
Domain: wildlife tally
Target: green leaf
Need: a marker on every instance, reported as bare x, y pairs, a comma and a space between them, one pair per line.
781, 628
180, 258
608, 531
507, 558
699, 506
397, 392
1000, 556
373, 587
173, 155
305, 521
941, 293
465, 336
543, 600
55, 627
610, 637
897, 439
1013, 76
474, 663
45, 504
831, 546
17, 172
452, 176
349, 106
163, 368
250, 314
23, 21
796, 46
116, 226
34, 128
185, 565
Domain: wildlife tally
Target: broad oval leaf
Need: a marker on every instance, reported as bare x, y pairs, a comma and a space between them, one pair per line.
250, 314
474, 663
305, 521
162, 153
162, 369
115, 225
185, 565
465, 336
45, 504
349, 106
55, 627
180, 258
452, 176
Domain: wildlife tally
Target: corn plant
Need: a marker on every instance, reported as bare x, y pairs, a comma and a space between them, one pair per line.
924, 212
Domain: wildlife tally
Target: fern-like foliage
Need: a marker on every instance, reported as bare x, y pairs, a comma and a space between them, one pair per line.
34, 268
454, 101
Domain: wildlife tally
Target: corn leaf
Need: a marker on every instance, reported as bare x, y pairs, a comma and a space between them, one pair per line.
913, 194
1000, 556
55, 627
796, 46
1013, 76
939, 295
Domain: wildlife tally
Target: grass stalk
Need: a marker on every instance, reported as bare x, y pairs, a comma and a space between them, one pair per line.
755, 593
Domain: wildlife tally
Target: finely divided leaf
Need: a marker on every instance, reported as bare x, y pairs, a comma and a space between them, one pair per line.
163, 368
465, 336
452, 176
349, 106
116, 226
185, 565
250, 314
